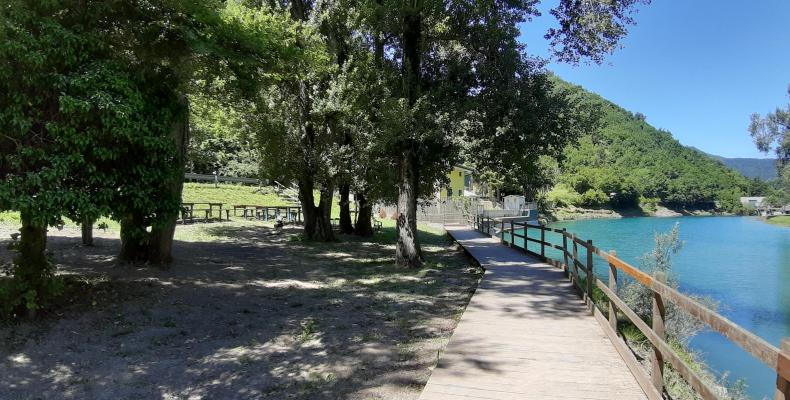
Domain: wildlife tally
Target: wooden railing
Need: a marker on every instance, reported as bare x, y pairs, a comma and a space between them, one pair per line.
653, 385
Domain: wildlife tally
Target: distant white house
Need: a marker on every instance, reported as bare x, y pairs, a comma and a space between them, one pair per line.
753, 201
514, 202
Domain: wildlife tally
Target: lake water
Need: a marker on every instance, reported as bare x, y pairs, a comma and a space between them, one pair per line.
741, 262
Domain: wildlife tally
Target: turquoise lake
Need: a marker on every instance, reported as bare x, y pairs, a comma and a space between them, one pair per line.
741, 262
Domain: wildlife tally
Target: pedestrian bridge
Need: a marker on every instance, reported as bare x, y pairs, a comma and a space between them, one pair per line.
532, 330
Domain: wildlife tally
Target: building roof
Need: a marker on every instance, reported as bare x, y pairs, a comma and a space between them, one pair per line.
464, 168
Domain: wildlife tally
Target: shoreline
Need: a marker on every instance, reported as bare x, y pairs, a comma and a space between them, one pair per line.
777, 220
579, 213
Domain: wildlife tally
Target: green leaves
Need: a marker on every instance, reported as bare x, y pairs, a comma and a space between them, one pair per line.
590, 30
628, 157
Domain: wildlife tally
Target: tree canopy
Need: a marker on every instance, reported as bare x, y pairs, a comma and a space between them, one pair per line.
772, 133
88, 128
377, 97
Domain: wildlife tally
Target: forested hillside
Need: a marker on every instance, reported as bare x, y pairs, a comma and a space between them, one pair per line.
628, 163
760, 168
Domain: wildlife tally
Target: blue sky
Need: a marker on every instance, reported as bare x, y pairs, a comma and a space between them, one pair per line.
696, 68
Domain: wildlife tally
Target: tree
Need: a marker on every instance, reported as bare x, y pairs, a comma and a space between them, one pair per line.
222, 136
449, 61
305, 136
184, 47
772, 132
98, 124
68, 128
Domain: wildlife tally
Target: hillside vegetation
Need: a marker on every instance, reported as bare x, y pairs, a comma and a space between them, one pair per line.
629, 163
759, 168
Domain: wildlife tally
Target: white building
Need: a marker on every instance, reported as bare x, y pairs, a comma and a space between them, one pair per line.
753, 201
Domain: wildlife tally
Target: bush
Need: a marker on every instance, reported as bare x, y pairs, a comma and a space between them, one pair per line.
648, 204
730, 201
563, 196
18, 295
594, 198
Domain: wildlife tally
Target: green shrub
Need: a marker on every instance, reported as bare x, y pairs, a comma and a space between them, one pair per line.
648, 204
17, 298
594, 198
563, 196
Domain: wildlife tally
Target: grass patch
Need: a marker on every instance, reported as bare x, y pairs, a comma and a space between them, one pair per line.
781, 220
9, 217
229, 195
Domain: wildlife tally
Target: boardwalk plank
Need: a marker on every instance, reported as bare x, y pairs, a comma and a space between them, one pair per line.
526, 335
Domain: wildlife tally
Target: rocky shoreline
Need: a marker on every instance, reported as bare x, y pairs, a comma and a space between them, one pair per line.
579, 213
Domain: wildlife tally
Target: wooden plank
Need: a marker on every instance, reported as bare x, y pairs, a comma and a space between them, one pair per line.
542, 241
783, 372
590, 275
748, 341
613, 288
683, 369
762, 350
525, 335
657, 359
565, 252
628, 356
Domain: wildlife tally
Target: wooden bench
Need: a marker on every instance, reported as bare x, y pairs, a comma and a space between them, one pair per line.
190, 210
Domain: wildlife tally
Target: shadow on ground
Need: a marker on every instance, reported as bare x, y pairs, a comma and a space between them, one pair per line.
249, 314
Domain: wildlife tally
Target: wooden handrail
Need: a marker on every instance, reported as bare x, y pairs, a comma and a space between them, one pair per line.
776, 359
748, 341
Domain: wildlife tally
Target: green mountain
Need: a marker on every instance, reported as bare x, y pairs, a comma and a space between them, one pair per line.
762, 168
628, 161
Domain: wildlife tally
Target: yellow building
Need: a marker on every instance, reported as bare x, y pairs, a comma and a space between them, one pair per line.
460, 183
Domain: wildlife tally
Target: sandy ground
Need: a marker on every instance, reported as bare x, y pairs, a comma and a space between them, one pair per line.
240, 314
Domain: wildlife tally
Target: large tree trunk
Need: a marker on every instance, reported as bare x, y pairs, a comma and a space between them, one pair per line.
317, 219
407, 249
305, 185
134, 238
87, 231
323, 217
137, 244
363, 226
160, 244
346, 225
31, 266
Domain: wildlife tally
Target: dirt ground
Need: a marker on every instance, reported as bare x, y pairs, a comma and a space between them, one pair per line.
242, 313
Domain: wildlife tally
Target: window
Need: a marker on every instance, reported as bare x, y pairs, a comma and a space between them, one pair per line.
460, 173
449, 192
460, 192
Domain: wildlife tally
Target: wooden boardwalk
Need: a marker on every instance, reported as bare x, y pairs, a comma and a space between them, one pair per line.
526, 335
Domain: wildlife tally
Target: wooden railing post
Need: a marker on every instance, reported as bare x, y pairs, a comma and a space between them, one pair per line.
565, 252
512, 234
526, 237
575, 277
542, 241
590, 273
657, 359
613, 288
783, 368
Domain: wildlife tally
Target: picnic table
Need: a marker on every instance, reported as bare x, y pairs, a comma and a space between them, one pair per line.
265, 213
190, 209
